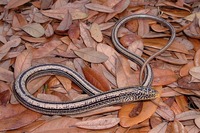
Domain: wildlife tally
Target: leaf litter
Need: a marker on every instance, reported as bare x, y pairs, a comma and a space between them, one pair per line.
77, 34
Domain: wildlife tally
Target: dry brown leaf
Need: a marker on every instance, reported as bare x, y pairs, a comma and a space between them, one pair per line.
147, 110
184, 71
4, 97
132, 25
18, 21
29, 128
182, 102
188, 115
23, 62
40, 18
89, 42
177, 127
74, 31
175, 12
24, 118
34, 29
100, 123
155, 120
96, 78
15, 3
197, 121
143, 27
160, 43
46, 49
168, 92
33, 39
195, 72
59, 124
161, 128
185, 83
158, 28
7, 46
65, 23
98, 7
128, 39
163, 76
6, 75
35, 84
165, 112
91, 55
49, 30
11, 110
197, 58
192, 129
196, 101
65, 82
124, 74
96, 32
55, 13
111, 53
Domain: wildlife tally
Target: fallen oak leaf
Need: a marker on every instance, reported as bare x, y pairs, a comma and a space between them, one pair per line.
96, 78
100, 123
185, 83
19, 120
98, 7
91, 55
23, 62
163, 77
15, 3
7, 46
188, 115
34, 29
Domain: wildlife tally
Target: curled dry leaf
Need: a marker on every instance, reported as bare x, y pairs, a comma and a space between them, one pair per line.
163, 76
34, 29
98, 7
96, 32
185, 83
96, 78
148, 109
91, 55
195, 72
100, 123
